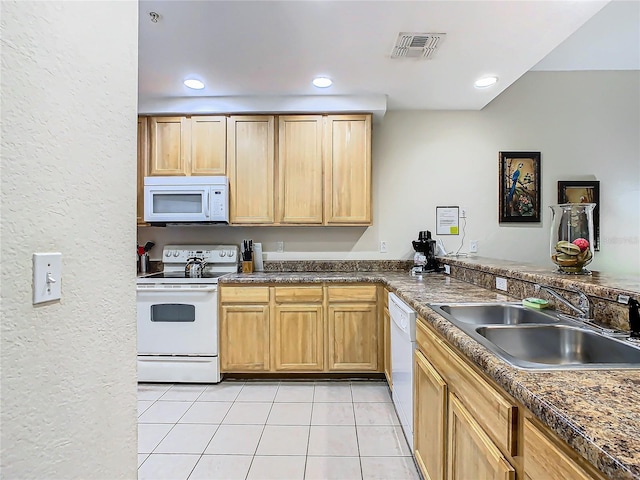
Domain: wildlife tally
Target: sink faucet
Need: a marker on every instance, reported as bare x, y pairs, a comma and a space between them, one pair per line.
583, 309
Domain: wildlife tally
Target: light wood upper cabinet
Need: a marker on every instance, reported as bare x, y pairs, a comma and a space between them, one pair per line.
250, 163
300, 180
208, 145
430, 414
348, 169
188, 145
143, 159
170, 145
321, 175
297, 336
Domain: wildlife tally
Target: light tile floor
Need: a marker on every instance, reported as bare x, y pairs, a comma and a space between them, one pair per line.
282, 430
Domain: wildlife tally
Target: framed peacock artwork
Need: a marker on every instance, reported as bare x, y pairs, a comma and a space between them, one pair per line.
519, 187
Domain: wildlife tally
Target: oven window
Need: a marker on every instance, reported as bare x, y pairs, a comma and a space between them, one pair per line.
177, 203
173, 312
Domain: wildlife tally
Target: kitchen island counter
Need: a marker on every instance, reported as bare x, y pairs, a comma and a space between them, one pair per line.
597, 412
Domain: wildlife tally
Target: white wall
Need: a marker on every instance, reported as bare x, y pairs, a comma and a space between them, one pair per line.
69, 102
585, 124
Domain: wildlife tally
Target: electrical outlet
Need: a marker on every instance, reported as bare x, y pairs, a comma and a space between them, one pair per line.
463, 213
473, 246
447, 269
501, 284
383, 246
279, 247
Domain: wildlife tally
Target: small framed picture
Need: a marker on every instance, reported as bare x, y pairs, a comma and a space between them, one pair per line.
587, 191
519, 187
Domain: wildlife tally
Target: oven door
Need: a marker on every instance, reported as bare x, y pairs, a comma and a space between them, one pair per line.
177, 320
177, 203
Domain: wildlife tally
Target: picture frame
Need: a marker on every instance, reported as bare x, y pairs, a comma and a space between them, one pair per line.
583, 191
519, 185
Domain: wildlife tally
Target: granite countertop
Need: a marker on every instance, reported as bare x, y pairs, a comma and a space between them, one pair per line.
596, 411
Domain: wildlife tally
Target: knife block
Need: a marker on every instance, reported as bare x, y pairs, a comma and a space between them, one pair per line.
247, 267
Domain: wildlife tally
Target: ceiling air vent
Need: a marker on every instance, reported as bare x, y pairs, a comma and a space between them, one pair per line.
417, 45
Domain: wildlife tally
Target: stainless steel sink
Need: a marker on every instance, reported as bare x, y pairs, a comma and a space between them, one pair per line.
498, 314
539, 340
559, 345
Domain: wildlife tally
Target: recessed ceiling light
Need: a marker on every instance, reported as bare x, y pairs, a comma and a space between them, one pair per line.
193, 83
322, 82
485, 82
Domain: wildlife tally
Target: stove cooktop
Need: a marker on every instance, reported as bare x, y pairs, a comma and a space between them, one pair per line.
179, 277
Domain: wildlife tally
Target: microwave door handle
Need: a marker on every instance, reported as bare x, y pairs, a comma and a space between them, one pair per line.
206, 207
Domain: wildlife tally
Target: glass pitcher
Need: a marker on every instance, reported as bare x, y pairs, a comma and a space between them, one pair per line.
571, 245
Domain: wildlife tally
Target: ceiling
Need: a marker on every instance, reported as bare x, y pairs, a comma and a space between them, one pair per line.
262, 55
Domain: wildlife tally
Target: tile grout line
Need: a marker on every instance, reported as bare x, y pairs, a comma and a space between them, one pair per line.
306, 457
253, 457
357, 437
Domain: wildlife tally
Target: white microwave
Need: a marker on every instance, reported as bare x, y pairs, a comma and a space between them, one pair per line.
186, 199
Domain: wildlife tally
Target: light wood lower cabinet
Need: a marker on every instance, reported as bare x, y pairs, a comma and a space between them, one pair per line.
386, 329
353, 339
430, 424
298, 343
471, 452
488, 434
244, 338
291, 329
545, 459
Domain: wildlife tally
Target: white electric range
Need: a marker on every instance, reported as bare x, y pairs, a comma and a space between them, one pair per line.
178, 316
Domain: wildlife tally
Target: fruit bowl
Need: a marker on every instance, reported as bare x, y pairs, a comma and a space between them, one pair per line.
572, 237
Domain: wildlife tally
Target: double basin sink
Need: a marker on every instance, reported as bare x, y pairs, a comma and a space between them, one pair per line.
539, 339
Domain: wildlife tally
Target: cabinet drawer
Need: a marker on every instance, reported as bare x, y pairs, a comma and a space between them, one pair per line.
298, 294
494, 412
357, 293
244, 294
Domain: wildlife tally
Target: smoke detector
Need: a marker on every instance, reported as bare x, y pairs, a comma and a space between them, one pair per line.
417, 45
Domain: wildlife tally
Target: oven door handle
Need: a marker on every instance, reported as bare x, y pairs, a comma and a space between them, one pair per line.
177, 290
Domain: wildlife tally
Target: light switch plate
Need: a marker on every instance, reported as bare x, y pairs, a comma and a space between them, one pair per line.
447, 269
47, 277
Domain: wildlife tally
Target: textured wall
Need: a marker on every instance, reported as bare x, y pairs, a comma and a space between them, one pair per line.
585, 124
69, 101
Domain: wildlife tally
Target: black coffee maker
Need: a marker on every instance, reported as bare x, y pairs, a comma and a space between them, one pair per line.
425, 258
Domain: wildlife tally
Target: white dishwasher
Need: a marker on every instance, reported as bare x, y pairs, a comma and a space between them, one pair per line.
403, 343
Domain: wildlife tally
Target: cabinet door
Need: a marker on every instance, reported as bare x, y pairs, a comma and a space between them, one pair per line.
348, 169
386, 327
170, 146
208, 145
297, 338
244, 338
429, 418
353, 337
472, 454
300, 189
543, 460
143, 157
250, 158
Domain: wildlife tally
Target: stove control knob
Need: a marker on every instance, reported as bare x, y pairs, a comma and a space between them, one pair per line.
230, 253
167, 253
176, 253
223, 253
